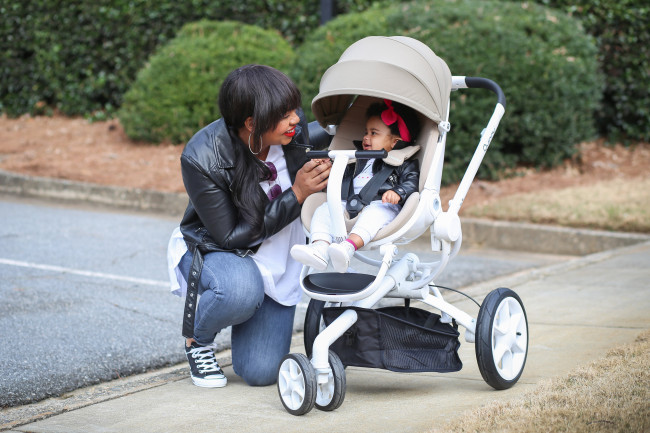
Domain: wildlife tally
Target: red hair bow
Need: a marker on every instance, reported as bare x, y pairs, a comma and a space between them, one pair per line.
389, 116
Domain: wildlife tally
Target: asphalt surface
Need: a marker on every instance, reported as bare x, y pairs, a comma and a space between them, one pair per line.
85, 297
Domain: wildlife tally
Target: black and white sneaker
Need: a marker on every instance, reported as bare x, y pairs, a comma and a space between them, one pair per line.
204, 369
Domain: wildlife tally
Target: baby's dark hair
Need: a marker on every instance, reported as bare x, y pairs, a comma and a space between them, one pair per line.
408, 114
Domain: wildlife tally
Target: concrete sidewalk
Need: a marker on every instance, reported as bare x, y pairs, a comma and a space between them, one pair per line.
577, 310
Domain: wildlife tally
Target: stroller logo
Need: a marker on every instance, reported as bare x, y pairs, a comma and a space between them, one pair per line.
489, 140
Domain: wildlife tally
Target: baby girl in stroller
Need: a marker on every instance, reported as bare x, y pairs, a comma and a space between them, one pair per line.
374, 190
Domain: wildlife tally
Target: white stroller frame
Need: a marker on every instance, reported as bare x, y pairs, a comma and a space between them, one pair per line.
501, 325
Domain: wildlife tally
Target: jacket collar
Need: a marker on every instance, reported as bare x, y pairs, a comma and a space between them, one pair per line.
225, 139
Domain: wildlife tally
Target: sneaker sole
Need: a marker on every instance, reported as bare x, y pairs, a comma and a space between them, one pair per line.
210, 383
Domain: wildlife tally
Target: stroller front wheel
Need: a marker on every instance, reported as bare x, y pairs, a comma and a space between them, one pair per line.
297, 384
330, 395
501, 338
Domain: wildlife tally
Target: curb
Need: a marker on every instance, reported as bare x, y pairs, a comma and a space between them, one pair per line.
512, 236
73, 192
538, 238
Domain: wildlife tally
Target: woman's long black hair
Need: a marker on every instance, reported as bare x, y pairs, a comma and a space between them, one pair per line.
266, 95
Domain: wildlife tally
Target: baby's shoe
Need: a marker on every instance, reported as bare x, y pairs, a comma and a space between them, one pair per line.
341, 254
314, 255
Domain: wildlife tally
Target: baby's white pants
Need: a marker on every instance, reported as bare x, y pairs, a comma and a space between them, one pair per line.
371, 219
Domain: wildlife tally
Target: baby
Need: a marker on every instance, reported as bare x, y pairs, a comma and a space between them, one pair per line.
389, 125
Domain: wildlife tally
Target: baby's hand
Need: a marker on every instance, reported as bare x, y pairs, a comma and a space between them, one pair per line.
391, 197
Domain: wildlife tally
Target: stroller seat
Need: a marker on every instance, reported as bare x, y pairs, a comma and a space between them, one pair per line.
403, 228
346, 132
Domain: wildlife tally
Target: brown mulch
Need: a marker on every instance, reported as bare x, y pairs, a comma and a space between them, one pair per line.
100, 152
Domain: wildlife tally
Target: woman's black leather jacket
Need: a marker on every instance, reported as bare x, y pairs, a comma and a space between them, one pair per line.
211, 221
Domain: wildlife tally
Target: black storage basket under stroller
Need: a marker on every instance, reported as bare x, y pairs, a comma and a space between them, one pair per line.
401, 339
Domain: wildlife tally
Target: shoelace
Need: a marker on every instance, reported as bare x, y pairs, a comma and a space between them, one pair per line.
205, 359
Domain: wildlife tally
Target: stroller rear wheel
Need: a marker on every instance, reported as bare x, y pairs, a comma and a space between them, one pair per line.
297, 384
501, 338
330, 395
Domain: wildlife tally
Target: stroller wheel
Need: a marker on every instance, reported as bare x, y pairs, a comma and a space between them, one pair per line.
330, 395
297, 384
501, 338
313, 324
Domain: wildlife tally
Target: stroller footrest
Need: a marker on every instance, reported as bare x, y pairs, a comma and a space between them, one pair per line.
334, 283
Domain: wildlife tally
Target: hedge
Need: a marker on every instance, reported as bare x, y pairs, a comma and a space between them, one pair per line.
323, 48
80, 57
542, 59
623, 34
176, 93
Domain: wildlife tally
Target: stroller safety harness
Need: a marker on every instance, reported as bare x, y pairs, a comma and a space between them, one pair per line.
356, 202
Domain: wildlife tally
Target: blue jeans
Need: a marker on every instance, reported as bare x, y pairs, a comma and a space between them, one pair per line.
232, 294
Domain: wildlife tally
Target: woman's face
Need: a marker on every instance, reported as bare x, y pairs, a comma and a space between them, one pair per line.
284, 131
378, 135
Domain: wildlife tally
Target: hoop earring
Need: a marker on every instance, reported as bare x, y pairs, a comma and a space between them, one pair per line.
249, 145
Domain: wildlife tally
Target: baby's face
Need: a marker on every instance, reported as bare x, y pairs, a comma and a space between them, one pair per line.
378, 135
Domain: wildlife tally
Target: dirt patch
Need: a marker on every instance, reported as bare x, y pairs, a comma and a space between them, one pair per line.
100, 152
74, 149
595, 162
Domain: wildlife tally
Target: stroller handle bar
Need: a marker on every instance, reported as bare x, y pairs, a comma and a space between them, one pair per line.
459, 82
360, 154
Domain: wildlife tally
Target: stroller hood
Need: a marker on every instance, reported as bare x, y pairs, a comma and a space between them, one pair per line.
398, 68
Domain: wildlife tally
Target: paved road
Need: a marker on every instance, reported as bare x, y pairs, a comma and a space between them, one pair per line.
84, 297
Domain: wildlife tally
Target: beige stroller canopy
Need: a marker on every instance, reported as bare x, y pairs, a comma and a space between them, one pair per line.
398, 68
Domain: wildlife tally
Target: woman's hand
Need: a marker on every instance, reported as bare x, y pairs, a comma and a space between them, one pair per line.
311, 178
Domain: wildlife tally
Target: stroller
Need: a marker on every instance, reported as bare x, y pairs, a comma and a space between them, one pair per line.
341, 326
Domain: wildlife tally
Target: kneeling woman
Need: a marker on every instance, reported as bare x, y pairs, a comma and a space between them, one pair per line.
246, 179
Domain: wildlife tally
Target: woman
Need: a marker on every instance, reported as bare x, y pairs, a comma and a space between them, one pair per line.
247, 176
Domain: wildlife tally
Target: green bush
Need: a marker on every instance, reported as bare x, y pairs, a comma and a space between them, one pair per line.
324, 46
623, 35
541, 58
176, 93
80, 57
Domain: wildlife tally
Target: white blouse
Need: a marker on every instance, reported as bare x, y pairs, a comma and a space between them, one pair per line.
280, 272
